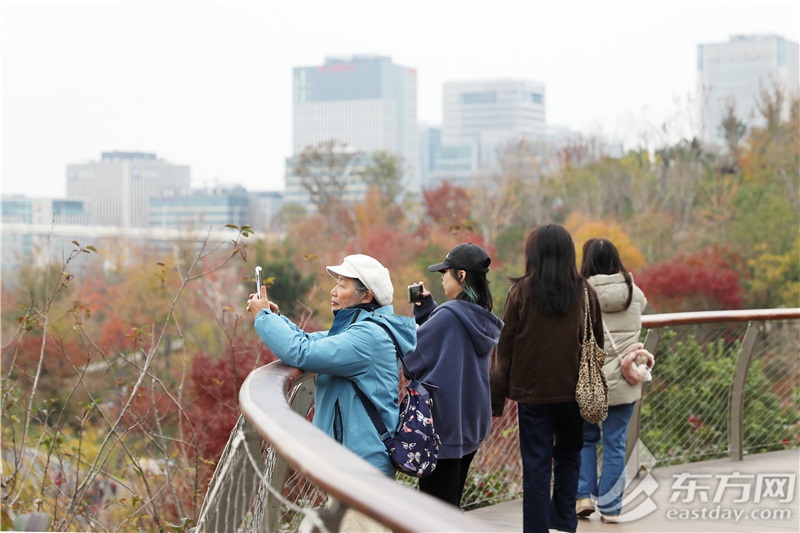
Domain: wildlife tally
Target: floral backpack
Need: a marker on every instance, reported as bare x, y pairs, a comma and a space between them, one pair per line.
414, 447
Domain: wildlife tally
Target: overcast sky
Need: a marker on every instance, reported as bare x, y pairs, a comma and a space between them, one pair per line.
208, 84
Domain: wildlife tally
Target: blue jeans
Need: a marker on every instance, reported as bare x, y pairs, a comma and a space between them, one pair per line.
608, 492
550, 440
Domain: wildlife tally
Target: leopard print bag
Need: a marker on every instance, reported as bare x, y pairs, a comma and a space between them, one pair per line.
591, 392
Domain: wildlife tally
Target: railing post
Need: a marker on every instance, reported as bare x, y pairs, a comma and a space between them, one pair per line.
736, 411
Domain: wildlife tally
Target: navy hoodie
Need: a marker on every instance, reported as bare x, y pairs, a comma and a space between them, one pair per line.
454, 345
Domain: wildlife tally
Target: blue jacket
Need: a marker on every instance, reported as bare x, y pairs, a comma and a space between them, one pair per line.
454, 345
354, 349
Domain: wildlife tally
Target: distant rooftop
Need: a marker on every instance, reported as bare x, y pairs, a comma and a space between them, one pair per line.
753, 37
128, 155
332, 60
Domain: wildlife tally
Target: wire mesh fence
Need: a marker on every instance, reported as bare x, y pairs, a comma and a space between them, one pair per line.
253, 490
685, 413
686, 408
685, 417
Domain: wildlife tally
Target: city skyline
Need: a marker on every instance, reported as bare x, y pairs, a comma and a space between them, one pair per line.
209, 85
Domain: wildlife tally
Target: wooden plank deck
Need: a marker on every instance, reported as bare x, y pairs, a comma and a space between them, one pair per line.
759, 494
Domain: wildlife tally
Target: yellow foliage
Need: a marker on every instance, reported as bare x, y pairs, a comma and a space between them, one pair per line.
774, 277
583, 228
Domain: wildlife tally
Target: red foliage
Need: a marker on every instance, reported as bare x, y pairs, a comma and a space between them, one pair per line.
148, 404
116, 335
705, 280
59, 355
447, 204
214, 389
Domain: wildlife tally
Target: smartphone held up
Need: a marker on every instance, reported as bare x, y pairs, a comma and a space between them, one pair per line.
259, 281
415, 293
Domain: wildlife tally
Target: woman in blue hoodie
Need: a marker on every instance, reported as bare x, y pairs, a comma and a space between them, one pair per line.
454, 344
355, 349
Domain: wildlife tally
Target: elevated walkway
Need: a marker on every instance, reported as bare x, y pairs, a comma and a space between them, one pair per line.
757, 494
724, 384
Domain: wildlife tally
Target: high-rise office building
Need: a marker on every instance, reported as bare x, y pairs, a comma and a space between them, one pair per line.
198, 208
117, 189
479, 117
735, 73
364, 101
430, 138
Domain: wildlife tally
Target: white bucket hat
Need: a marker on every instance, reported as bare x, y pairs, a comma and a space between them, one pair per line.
370, 271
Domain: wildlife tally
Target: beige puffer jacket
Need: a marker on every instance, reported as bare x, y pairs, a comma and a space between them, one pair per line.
625, 325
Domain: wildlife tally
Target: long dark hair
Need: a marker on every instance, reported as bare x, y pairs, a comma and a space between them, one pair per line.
475, 288
550, 269
600, 256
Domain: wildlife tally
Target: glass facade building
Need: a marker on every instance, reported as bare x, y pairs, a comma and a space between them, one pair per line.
430, 138
481, 115
17, 246
735, 73
366, 102
198, 208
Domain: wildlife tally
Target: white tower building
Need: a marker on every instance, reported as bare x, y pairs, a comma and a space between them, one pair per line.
116, 190
735, 73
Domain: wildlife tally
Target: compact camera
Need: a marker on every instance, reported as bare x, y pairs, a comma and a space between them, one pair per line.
415, 293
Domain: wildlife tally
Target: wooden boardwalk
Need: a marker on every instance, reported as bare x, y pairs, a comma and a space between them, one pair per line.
759, 494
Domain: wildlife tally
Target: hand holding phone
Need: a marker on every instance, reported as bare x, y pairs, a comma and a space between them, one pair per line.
259, 281
415, 293
260, 300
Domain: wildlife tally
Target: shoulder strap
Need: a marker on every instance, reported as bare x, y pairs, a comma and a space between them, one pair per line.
383, 433
586, 313
608, 334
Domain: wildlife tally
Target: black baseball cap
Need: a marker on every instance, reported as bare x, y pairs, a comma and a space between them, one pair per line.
466, 256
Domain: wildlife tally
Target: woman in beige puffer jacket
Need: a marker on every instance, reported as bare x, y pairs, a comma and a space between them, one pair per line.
622, 304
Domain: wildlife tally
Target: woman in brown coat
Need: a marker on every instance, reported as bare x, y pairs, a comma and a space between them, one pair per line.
536, 365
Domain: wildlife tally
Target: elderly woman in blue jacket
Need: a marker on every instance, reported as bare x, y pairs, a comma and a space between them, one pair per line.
454, 345
355, 349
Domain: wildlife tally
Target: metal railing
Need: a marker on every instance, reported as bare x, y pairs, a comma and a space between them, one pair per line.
303, 479
725, 383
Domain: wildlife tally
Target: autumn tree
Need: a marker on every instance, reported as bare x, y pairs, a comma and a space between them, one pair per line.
681, 168
80, 417
766, 203
733, 131
773, 153
384, 172
448, 205
285, 278
704, 280
513, 195
325, 169
583, 229
773, 279
580, 190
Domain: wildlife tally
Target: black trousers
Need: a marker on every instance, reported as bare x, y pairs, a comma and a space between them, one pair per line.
550, 442
447, 481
